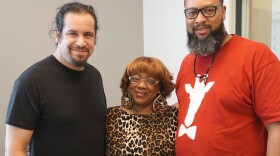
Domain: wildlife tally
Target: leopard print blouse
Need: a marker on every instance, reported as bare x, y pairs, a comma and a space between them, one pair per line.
140, 135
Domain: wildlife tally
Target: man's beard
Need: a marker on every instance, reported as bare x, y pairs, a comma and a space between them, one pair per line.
208, 45
79, 60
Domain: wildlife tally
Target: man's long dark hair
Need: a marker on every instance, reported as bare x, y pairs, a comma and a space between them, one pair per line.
74, 7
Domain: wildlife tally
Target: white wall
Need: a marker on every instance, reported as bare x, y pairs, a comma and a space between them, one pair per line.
165, 33
275, 30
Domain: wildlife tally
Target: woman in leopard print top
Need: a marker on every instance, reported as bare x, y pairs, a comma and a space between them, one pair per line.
144, 124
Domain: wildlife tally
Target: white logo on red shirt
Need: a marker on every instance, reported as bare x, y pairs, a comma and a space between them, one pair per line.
196, 96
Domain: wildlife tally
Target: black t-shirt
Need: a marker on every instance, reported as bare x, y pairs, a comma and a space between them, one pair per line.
64, 108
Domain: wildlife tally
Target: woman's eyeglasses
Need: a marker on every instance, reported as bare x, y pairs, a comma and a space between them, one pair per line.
149, 81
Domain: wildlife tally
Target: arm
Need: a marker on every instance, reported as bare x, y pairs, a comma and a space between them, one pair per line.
17, 141
176, 105
273, 140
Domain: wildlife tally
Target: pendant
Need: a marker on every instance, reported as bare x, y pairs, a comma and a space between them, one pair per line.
204, 77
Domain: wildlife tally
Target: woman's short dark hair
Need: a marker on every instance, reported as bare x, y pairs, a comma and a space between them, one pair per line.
154, 68
74, 7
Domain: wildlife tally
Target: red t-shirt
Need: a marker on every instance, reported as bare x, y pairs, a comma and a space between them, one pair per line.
227, 115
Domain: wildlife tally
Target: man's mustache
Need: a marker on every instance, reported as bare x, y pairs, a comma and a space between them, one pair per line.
80, 49
201, 26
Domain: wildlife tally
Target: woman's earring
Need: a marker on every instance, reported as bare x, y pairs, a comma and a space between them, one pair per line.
126, 101
160, 104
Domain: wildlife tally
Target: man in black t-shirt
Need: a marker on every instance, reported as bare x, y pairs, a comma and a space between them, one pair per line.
57, 106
